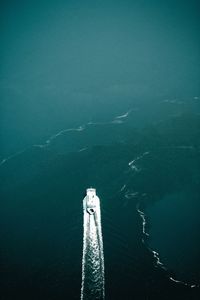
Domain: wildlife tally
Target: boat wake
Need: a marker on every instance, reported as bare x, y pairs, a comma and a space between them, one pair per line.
156, 254
93, 282
116, 120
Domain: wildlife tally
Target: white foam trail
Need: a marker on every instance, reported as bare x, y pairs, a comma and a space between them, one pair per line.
93, 282
61, 132
142, 215
12, 156
47, 143
82, 149
132, 164
124, 115
123, 188
156, 254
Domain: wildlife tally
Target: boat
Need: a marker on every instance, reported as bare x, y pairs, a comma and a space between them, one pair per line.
91, 201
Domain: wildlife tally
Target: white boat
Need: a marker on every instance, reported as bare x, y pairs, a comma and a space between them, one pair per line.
91, 201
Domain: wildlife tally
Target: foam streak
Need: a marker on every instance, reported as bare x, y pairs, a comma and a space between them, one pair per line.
93, 283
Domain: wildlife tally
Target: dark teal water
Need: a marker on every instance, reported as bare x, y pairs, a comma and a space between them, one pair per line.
41, 211
103, 94
175, 232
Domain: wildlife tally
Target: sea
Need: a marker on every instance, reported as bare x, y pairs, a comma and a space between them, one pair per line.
144, 162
